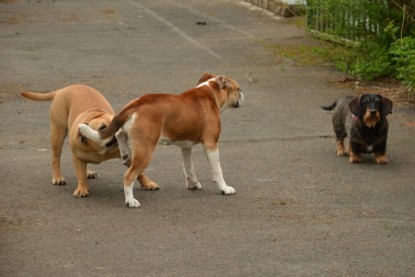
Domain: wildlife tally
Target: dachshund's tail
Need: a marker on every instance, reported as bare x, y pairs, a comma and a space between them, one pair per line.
331, 107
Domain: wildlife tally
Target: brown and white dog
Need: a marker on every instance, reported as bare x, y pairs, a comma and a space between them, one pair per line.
71, 106
184, 120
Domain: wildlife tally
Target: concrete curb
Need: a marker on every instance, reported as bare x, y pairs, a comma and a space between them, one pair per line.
279, 7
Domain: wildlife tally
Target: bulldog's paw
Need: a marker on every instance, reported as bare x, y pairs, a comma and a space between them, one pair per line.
58, 181
150, 186
132, 203
193, 185
91, 175
228, 190
81, 192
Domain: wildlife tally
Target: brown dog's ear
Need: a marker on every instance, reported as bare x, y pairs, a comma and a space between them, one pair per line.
222, 82
355, 106
204, 78
386, 106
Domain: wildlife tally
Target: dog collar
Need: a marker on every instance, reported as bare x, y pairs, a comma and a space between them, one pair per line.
355, 117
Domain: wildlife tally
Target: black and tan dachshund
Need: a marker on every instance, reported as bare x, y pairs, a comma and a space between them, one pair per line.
363, 120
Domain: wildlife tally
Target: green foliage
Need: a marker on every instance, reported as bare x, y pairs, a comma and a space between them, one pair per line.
403, 55
384, 30
372, 61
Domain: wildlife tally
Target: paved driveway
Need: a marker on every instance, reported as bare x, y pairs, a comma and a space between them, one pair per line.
299, 210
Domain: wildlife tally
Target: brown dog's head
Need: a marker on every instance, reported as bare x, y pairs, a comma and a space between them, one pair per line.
371, 108
234, 96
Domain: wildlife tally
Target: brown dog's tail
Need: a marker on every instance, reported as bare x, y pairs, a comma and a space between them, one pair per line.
106, 136
331, 107
36, 96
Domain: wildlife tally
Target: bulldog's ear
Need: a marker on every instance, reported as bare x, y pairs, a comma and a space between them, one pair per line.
386, 106
222, 82
204, 78
355, 106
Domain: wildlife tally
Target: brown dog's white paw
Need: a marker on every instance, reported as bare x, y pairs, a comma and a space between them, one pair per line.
132, 203
193, 185
228, 190
81, 192
58, 181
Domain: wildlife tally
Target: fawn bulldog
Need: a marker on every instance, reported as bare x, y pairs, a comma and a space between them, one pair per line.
185, 120
71, 106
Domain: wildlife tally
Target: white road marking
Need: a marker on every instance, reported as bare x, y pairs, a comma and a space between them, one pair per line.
224, 23
176, 29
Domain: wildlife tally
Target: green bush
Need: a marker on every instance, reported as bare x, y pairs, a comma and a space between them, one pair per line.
383, 32
372, 61
403, 56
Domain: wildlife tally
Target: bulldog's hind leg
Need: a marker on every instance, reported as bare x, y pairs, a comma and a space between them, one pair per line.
57, 137
141, 157
146, 183
212, 155
189, 169
125, 153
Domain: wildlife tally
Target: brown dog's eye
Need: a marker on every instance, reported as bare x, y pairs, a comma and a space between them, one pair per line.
103, 126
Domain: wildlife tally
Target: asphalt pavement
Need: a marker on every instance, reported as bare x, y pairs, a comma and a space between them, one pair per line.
299, 210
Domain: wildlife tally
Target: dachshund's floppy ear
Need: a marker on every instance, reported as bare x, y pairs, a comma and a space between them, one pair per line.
355, 106
204, 78
386, 106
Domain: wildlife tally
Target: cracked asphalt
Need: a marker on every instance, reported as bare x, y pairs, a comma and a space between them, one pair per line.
299, 210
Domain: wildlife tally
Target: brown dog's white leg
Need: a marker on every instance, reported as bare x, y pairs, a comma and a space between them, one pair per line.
80, 167
189, 169
129, 179
57, 137
141, 157
213, 158
125, 153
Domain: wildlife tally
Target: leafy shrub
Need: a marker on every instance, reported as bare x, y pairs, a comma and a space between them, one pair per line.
372, 61
403, 54
384, 30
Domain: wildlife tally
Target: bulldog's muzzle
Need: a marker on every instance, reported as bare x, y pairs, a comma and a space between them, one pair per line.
240, 101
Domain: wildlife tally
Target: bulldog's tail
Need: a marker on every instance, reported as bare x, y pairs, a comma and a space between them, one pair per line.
331, 107
106, 136
36, 96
